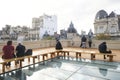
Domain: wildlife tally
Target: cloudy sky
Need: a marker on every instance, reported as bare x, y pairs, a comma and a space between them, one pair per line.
80, 12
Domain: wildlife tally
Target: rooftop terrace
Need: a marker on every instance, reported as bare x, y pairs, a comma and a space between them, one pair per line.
68, 68
65, 68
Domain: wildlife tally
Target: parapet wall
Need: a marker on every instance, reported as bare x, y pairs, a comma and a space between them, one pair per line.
112, 44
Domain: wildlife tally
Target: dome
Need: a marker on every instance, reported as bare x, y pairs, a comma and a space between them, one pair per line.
71, 29
46, 34
101, 14
112, 14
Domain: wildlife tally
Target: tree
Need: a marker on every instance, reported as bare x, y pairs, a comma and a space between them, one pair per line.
103, 36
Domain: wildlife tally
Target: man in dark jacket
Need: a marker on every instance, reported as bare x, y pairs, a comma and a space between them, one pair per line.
58, 45
83, 41
103, 48
20, 50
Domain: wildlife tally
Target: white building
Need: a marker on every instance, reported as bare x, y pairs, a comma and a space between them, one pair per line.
44, 24
107, 23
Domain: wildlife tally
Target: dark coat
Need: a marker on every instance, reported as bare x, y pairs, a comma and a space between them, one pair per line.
102, 48
20, 50
58, 46
83, 39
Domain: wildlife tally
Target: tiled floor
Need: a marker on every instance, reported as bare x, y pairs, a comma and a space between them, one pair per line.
67, 69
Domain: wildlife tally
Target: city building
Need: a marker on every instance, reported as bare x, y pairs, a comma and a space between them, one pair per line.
44, 24
83, 33
12, 33
107, 23
63, 34
72, 32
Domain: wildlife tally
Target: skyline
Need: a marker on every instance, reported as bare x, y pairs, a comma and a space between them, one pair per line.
80, 12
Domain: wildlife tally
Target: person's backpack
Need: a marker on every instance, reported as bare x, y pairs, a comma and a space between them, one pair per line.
28, 52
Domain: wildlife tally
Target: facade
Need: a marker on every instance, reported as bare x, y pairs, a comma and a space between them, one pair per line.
107, 23
63, 34
34, 33
72, 32
44, 24
83, 32
13, 33
40, 26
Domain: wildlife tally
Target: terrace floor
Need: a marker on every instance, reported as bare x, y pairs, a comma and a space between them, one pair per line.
69, 68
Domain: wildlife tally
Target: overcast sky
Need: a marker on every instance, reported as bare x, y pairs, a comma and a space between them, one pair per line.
80, 12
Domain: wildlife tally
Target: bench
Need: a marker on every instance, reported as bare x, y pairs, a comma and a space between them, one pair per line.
3, 62
64, 53
107, 54
52, 55
44, 55
78, 54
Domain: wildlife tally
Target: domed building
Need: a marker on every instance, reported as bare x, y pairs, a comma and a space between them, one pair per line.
72, 32
101, 14
106, 23
112, 15
71, 29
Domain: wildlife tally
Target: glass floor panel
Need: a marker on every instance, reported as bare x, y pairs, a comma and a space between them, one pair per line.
67, 69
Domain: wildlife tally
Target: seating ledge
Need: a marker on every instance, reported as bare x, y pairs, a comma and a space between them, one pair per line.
104, 54
2, 61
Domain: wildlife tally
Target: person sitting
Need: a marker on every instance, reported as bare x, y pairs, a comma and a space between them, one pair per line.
8, 52
89, 42
103, 48
58, 45
20, 50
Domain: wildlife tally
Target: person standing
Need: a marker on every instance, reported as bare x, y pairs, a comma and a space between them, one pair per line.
83, 41
89, 42
8, 52
90, 36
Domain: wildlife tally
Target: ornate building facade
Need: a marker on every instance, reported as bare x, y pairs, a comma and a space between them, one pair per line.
72, 32
107, 23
